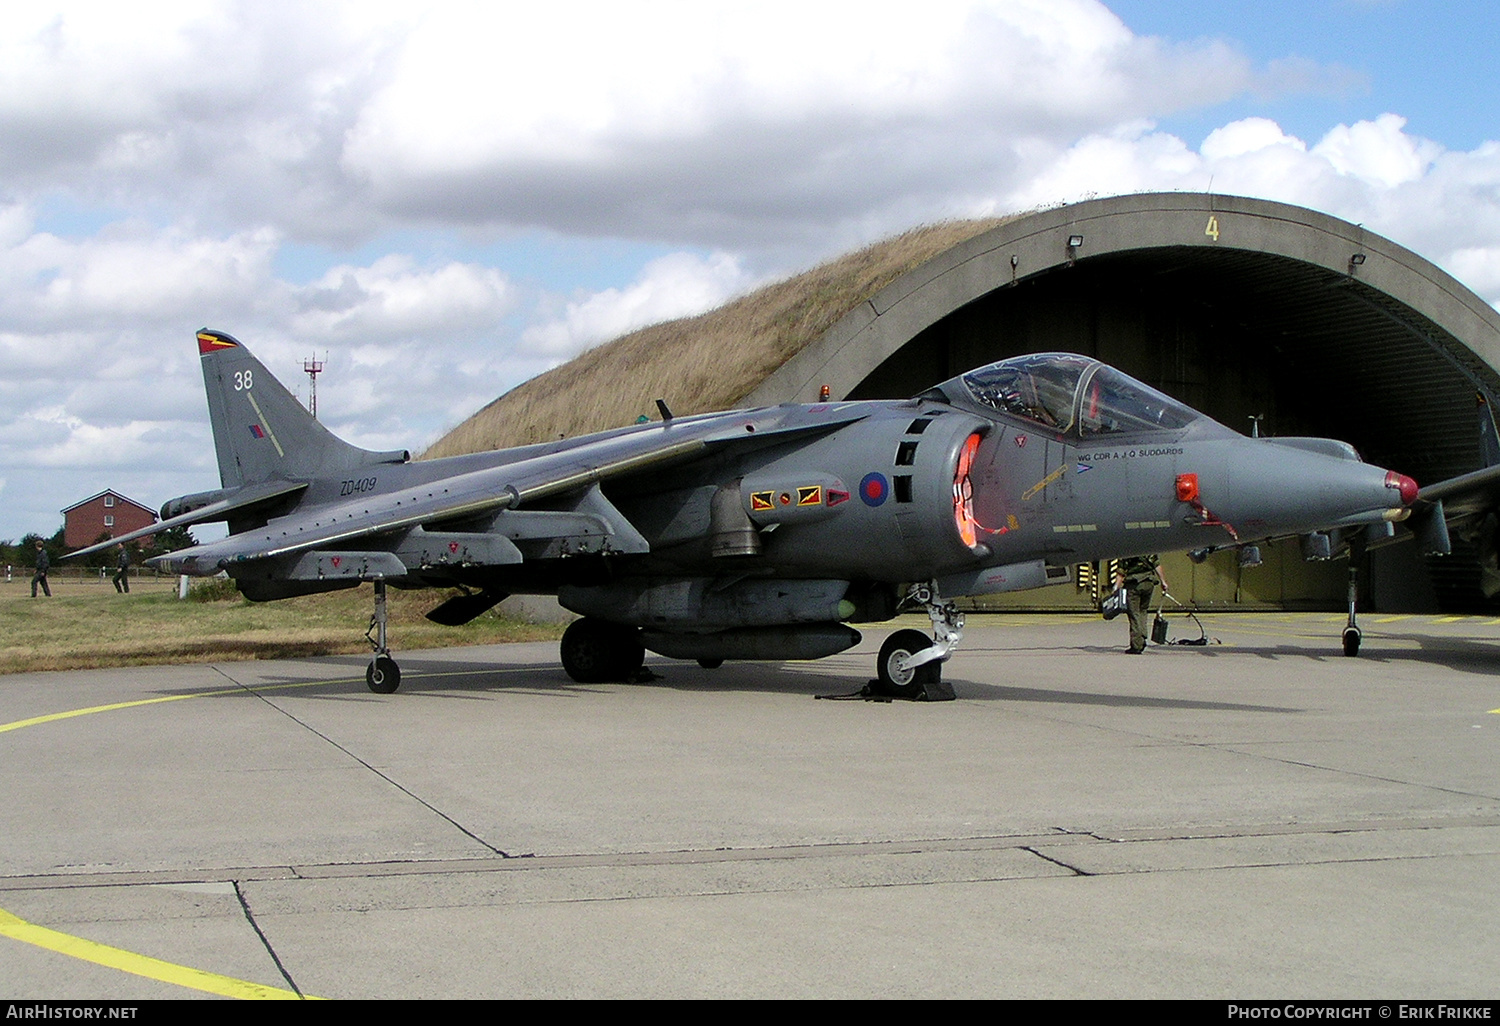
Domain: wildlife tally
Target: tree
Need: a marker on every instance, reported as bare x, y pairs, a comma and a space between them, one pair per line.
175, 538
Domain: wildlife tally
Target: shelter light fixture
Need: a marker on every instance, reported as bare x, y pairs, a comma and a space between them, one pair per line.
1075, 241
1356, 260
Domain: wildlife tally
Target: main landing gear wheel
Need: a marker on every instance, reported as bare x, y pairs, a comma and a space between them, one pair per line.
383, 676
710, 664
899, 680
596, 651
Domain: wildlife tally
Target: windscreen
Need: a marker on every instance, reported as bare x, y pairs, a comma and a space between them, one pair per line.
1070, 394
1039, 388
1113, 403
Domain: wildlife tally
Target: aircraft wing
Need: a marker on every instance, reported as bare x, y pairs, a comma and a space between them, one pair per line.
500, 488
1467, 495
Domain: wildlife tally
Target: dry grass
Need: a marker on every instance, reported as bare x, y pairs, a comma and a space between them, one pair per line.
86, 626
698, 364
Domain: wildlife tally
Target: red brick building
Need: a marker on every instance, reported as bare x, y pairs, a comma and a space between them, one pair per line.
109, 513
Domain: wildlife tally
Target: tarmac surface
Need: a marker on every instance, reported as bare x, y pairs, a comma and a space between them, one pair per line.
1261, 818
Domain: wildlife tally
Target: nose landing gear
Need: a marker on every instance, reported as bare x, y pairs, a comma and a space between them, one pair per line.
910, 664
1351, 631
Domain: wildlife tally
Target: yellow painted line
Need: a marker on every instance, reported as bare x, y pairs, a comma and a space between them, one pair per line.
69, 714
139, 965
1394, 619
51, 717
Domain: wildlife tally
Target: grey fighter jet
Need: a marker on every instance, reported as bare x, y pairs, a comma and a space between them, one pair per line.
762, 533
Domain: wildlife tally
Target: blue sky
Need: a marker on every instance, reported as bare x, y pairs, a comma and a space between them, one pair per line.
449, 198
1432, 62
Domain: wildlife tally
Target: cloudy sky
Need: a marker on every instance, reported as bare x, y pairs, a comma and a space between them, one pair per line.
446, 199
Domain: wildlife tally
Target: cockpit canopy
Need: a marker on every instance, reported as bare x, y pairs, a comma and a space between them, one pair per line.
1068, 393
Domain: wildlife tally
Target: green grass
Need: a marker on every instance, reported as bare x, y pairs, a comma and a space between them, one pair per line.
86, 625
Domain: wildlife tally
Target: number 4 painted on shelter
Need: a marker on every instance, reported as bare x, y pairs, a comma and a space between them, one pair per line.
1212, 230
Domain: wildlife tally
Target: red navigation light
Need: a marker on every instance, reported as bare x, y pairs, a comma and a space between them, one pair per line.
1403, 484
1187, 487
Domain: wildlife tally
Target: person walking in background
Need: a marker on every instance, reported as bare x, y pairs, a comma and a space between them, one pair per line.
1139, 576
43, 564
122, 576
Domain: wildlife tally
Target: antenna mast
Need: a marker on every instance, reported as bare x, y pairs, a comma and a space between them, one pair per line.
313, 367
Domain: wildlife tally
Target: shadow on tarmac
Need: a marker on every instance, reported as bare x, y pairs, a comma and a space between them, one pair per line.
478, 681
342, 677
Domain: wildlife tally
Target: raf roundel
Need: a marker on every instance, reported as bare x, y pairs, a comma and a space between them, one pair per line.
873, 489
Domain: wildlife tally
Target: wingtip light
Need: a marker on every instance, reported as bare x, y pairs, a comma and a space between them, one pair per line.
1404, 485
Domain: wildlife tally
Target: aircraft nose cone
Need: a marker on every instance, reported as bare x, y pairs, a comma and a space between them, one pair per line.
1404, 485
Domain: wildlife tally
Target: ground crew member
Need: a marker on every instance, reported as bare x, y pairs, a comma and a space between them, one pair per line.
1139, 576
43, 564
122, 578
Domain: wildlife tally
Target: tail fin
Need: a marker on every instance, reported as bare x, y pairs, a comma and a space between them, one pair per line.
261, 431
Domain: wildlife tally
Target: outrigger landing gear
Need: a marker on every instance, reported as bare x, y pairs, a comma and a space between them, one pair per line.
1352, 632
383, 676
911, 664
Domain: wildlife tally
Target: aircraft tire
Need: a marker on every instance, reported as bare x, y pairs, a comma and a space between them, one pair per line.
1351, 641
904, 682
597, 651
383, 676
710, 664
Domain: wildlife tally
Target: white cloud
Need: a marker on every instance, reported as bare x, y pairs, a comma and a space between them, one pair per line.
1479, 268
677, 285
1250, 135
392, 297
1378, 151
706, 123
128, 274
722, 125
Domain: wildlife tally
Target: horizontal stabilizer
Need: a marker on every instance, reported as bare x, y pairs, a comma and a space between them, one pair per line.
237, 498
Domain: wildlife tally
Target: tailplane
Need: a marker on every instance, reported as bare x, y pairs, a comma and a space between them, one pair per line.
261, 431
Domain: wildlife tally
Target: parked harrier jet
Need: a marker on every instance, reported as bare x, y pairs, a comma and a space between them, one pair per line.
759, 534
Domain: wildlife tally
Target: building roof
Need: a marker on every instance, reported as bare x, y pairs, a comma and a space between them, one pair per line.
117, 495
